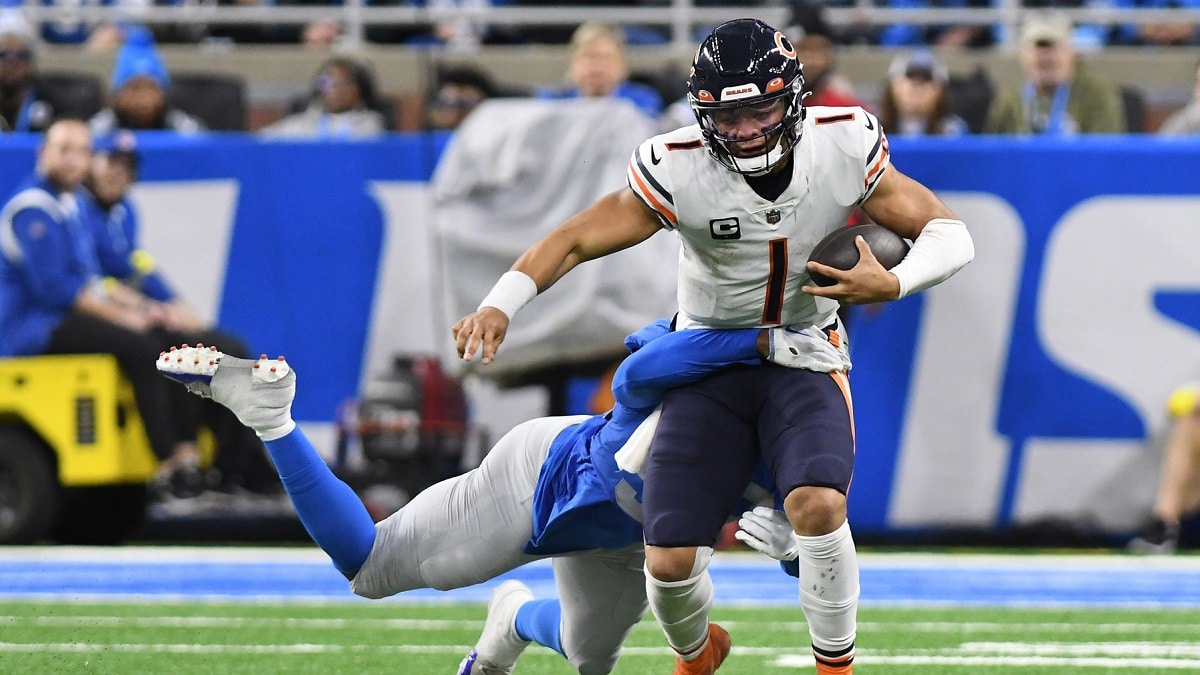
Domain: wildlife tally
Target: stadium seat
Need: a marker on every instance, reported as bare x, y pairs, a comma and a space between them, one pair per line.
217, 99
1134, 101
75, 95
972, 95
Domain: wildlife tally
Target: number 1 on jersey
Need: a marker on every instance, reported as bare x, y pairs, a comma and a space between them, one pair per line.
773, 307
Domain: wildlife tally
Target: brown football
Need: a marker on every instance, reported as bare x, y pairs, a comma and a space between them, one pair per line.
837, 249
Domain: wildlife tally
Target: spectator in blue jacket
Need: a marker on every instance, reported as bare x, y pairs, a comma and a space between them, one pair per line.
112, 222
598, 70
53, 299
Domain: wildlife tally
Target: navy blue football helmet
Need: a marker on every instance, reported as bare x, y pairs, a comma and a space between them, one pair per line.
746, 63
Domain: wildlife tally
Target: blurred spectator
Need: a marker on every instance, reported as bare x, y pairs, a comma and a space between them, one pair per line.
916, 100
459, 89
138, 91
598, 69
1158, 34
1179, 477
949, 35
53, 299
21, 106
817, 52
342, 105
321, 34
244, 33
111, 219
71, 27
1058, 95
1187, 119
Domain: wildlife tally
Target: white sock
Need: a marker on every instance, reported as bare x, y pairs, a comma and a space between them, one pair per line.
681, 607
829, 588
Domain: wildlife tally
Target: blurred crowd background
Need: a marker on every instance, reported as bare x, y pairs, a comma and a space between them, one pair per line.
247, 64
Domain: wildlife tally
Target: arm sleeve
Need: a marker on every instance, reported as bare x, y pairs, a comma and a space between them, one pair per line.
146, 276
112, 243
142, 269
679, 358
117, 248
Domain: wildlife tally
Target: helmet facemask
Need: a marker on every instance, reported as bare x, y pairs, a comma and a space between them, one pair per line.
781, 136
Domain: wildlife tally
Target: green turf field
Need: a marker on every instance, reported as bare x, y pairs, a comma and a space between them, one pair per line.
415, 639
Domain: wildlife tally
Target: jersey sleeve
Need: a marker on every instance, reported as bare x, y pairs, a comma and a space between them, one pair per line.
143, 268
878, 159
650, 181
679, 358
47, 255
112, 244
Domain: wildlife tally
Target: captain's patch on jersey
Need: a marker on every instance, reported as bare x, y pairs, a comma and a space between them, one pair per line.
725, 228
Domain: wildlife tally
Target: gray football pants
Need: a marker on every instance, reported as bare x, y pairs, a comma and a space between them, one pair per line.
472, 528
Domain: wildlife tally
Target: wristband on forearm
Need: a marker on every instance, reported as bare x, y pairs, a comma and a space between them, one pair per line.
510, 293
943, 248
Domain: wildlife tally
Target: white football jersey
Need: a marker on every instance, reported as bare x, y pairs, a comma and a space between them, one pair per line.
742, 260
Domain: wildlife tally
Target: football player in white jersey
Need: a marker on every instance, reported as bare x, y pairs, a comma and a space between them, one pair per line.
750, 189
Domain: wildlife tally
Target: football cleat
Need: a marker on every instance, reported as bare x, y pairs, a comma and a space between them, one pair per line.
259, 392
499, 646
711, 657
1157, 538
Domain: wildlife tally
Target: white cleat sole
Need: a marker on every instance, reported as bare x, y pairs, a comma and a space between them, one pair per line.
199, 364
190, 364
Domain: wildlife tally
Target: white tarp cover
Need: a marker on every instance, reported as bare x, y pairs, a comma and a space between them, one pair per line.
514, 171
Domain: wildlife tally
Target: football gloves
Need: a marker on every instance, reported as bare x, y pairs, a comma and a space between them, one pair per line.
768, 531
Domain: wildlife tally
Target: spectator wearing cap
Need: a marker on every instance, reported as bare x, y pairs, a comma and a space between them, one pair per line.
916, 100
22, 108
138, 92
1058, 95
114, 227
113, 230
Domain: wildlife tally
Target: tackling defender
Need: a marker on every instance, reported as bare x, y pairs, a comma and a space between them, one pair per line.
750, 190
550, 487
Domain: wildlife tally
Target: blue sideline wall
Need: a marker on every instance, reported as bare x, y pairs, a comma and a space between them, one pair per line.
1030, 386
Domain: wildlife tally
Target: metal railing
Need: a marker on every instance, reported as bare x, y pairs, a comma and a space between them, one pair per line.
682, 17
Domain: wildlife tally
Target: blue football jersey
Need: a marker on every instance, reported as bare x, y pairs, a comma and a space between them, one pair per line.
583, 500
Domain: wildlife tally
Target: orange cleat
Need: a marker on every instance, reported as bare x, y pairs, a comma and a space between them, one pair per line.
711, 658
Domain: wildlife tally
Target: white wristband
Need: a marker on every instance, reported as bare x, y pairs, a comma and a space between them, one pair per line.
510, 293
943, 248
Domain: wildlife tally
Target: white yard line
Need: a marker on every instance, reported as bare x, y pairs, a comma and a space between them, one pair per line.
1142, 659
